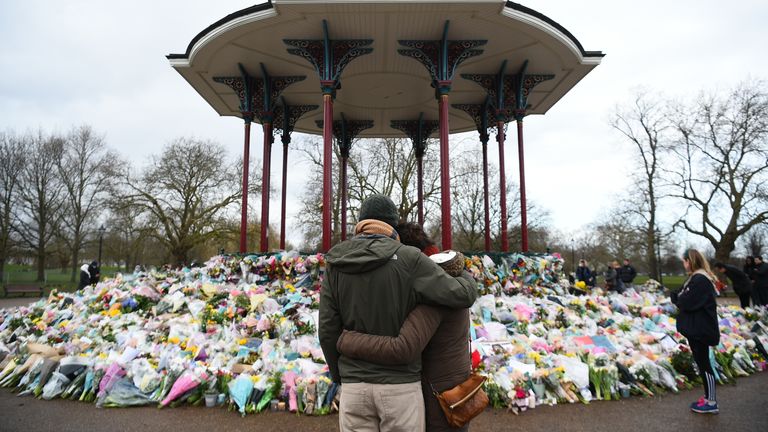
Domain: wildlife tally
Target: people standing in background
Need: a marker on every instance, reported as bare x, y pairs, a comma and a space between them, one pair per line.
619, 283
94, 272
584, 274
742, 286
627, 274
89, 274
611, 278
85, 277
697, 321
760, 280
749, 270
749, 266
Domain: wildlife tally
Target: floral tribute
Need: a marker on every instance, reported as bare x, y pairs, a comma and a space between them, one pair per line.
243, 331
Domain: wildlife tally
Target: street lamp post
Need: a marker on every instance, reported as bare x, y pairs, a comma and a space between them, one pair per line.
101, 240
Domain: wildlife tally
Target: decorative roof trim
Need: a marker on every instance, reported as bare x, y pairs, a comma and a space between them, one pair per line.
235, 19
543, 22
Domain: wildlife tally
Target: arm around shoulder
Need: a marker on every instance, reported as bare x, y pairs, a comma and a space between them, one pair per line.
405, 348
434, 286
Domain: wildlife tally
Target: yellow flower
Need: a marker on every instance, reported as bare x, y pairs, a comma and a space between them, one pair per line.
173, 340
242, 341
114, 312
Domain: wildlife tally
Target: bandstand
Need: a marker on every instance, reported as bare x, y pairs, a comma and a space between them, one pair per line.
351, 69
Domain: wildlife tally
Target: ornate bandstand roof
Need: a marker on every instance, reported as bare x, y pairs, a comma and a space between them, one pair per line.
384, 86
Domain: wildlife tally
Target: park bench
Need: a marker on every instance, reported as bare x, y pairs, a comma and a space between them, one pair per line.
23, 289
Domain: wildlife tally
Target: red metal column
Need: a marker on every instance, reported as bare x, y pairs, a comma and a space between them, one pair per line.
485, 198
503, 191
282, 207
523, 207
343, 181
445, 175
327, 164
266, 163
420, 188
244, 210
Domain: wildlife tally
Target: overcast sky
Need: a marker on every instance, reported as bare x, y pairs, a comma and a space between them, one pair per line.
103, 63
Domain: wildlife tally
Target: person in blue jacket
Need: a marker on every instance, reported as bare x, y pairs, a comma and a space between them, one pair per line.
583, 273
697, 321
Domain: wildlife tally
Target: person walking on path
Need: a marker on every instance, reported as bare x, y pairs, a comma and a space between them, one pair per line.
760, 280
697, 321
436, 335
742, 286
372, 282
627, 274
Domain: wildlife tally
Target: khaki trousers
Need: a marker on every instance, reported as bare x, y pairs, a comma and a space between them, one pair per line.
381, 407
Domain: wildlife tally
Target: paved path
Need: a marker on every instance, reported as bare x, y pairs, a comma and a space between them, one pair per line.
744, 408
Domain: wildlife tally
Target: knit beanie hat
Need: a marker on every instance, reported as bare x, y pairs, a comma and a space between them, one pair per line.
379, 207
451, 261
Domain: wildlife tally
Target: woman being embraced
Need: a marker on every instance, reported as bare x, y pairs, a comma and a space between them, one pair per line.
697, 321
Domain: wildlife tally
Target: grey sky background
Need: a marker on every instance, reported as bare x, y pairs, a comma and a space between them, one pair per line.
103, 63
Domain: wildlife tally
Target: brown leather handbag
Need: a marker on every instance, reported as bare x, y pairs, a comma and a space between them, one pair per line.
463, 402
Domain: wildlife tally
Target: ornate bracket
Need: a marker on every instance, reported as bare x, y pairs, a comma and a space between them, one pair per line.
345, 131
481, 114
329, 57
418, 131
286, 117
508, 93
258, 95
441, 57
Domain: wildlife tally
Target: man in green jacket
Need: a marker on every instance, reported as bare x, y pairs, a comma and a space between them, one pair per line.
371, 283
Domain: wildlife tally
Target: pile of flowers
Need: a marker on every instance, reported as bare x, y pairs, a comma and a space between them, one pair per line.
241, 331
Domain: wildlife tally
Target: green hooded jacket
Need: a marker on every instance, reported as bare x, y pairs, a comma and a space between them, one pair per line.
371, 284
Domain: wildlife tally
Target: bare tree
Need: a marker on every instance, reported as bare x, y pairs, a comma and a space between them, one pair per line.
382, 166
722, 170
468, 209
13, 158
85, 171
754, 243
644, 124
130, 227
41, 198
185, 191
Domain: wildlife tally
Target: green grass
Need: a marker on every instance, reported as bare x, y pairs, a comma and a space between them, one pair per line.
672, 281
55, 278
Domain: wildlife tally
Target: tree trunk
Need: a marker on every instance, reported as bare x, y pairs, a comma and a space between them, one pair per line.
75, 258
725, 247
41, 264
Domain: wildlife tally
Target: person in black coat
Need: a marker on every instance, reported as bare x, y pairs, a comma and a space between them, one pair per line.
89, 274
627, 274
94, 270
760, 280
697, 321
742, 286
583, 273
